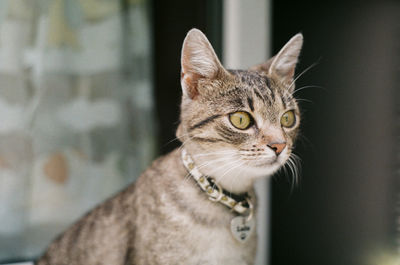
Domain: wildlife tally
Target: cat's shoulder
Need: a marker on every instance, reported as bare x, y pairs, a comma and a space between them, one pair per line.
165, 164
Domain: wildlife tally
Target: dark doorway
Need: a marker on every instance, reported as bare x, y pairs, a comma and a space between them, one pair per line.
343, 211
171, 21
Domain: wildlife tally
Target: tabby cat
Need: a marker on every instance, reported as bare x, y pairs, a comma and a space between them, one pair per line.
196, 205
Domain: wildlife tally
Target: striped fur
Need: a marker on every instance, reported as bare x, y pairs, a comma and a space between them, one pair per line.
164, 218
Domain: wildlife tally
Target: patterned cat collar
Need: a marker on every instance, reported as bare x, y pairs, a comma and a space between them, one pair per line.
238, 203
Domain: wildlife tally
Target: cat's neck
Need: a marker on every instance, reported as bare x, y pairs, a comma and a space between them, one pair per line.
233, 185
230, 176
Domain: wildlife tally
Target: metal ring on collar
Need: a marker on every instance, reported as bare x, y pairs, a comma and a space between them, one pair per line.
251, 209
220, 193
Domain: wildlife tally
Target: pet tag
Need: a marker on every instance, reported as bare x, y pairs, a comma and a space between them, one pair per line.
241, 228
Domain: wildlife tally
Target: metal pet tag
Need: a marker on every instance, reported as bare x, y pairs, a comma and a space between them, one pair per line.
241, 228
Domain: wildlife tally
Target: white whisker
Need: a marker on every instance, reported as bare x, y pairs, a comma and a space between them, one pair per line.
176, 138
302, 73
304, 87
220, 178
218, 160
305, 100
293, 163
235, 179
215, 153
293, 171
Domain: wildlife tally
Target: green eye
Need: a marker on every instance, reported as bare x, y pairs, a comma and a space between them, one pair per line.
288, 119
241, 120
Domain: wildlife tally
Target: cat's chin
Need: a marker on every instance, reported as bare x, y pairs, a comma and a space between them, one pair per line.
243, 182
265, 170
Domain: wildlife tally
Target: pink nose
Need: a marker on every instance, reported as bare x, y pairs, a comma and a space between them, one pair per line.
277, 147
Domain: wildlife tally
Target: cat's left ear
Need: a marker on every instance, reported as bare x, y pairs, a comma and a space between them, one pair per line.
284, 63
198, 60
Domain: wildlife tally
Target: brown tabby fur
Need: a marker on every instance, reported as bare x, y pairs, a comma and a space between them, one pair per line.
164, 218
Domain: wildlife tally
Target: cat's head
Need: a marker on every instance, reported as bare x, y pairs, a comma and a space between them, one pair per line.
237, 125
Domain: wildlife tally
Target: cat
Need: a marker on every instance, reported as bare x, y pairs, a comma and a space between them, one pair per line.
196, 205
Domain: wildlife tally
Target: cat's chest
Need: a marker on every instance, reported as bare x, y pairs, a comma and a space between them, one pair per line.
182, 239
207, 233
218, 246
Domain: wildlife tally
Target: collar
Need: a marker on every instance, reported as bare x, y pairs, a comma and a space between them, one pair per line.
240, 203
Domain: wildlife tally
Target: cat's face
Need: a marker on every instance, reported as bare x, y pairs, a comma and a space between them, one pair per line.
238, 125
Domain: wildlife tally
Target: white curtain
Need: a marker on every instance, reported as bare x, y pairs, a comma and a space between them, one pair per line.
76, 112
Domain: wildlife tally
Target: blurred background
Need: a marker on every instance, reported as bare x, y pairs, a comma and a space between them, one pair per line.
90, 93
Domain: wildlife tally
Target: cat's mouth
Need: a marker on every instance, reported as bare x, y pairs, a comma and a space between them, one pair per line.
264, 162
275, 161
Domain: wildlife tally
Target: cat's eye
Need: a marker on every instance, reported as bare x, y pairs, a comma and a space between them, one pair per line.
288, 119
241, 120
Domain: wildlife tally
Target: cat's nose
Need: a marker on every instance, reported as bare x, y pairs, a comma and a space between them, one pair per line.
277, 147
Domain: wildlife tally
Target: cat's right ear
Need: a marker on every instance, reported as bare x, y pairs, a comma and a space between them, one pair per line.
284, 63
198, 60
